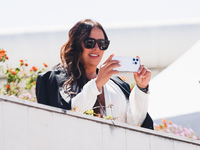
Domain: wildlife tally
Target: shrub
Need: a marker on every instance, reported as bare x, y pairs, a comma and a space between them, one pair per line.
16, 76
169, 127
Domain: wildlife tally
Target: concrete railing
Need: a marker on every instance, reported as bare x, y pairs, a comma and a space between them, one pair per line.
26, 125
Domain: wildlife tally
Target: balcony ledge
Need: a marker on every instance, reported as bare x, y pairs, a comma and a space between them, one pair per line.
106, 129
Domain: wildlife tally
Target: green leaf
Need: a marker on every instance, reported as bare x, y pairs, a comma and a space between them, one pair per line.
17, 69
89, 112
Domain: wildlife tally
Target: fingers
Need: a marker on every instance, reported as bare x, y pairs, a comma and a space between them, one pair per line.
142, 77
112, 72
110, 64
140, 69
148, 73
109, 58
143, 72
106, 71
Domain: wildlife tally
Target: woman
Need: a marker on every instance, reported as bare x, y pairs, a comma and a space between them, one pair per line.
78, 83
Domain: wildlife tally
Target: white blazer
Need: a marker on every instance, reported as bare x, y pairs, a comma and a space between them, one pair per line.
132, 111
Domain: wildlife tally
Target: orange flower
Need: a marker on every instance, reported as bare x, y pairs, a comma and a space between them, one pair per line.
10, 70
21, 60
34, 82
164, 121
34, 68
157, 128
21, 64
170, 122
2, 54
99, 115
75, 108
14, 73
26, 64
25, 73
7, 57
8, 87
2, 51
45, 64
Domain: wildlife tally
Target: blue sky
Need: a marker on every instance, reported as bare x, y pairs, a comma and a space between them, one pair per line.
34, 13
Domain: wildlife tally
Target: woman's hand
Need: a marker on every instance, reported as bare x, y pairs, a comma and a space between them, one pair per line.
106, 71
142, 77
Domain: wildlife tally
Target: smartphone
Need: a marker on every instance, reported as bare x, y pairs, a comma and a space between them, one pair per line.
128, 64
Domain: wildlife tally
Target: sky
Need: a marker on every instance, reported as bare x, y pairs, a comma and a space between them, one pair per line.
36, 13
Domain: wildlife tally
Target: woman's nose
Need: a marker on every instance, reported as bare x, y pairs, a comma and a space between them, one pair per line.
96, 46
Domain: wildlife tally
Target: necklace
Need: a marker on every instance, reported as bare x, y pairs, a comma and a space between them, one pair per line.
102, 108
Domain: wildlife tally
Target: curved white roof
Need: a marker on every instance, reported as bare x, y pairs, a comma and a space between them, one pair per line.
176, 90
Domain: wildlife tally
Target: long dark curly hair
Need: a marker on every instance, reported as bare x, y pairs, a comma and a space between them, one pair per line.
71, 53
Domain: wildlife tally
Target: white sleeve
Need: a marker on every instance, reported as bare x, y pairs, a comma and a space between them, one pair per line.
137, 107
86, 99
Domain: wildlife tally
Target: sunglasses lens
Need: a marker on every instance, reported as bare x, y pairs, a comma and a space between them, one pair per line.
103, 44
89, 43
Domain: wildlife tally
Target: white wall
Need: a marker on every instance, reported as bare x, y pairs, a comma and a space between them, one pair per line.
157, 43
26, 125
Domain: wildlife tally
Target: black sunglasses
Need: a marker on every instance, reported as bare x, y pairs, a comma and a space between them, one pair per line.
90, 43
